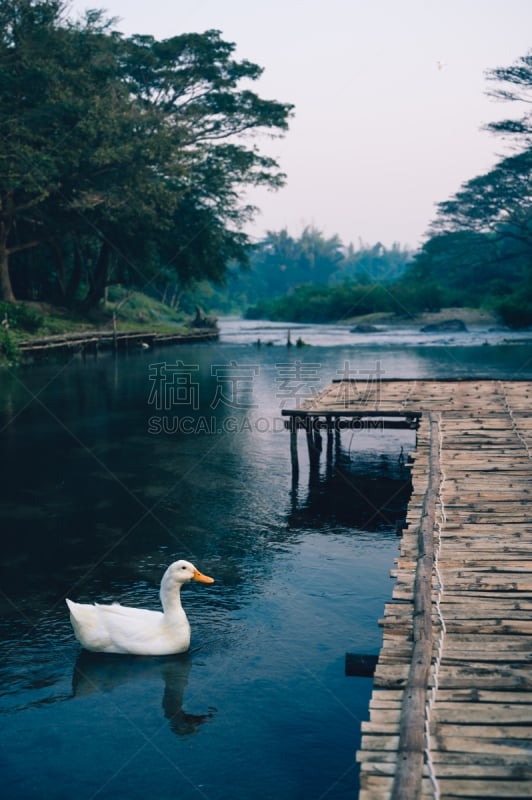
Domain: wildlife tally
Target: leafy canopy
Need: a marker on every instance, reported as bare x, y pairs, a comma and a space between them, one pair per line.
124, 157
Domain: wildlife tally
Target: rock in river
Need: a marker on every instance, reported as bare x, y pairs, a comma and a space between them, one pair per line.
446, 326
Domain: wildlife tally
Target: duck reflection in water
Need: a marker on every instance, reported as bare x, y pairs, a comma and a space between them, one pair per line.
95, 672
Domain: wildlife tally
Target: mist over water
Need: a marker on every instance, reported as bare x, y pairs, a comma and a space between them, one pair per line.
106, 484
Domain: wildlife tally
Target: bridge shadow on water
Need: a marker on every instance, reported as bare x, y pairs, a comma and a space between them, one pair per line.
363, 482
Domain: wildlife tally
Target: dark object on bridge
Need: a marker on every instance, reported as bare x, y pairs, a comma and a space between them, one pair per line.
360, 666
447, 326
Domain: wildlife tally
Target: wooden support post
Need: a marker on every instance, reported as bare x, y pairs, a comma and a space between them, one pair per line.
329, 457
310, 440
313, 450
337, 441
293, 451
115, 343
410, 753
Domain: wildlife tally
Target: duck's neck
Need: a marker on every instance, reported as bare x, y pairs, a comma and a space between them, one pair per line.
171, 600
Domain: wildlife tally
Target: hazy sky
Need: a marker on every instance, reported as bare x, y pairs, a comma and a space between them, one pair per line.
382, 131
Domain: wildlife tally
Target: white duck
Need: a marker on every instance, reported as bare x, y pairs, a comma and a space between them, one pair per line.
138, 631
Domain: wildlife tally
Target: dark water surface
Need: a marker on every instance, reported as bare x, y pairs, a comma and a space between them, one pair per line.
113, 468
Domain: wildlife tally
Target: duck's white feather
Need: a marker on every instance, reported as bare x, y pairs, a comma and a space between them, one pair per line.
138, 631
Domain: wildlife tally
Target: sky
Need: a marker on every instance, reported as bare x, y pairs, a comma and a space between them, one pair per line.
390, 100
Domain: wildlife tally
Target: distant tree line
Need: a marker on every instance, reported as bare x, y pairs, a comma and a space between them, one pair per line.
122, 158
281, 264
314, 277
478, 251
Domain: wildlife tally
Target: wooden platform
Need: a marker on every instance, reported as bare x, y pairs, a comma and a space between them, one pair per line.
451, 711
94, 341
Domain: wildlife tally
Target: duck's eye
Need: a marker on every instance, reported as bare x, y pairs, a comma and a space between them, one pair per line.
183, 567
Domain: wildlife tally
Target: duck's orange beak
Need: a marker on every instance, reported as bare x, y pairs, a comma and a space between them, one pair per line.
202, 578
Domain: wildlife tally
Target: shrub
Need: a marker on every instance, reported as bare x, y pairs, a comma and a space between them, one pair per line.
21, 316
9, 351
516, 310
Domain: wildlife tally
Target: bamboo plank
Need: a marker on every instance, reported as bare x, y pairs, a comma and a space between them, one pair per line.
514, 790
447, 761
519, 748
460, 771
505, 626
486, 713
495, 642
483, 696
522, 733
475, 674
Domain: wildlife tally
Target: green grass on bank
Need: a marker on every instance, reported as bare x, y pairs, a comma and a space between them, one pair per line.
24, 321
135, 311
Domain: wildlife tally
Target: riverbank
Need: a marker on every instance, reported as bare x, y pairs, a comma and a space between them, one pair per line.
92, 342
471, 317
35, 330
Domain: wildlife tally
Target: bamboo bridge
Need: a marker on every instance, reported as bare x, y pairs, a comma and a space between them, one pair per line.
451, 709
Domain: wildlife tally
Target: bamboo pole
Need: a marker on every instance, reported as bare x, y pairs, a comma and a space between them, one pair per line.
407, 779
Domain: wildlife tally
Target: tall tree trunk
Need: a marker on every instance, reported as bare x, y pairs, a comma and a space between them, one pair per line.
75, 276
58, 257
6, 289
99, 279
176, 297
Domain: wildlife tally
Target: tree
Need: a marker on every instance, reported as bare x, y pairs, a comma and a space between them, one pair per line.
28, 174
65, 118
494, 211
125, 154
499, 202
467, 267
281, 262
372, 263
513, 84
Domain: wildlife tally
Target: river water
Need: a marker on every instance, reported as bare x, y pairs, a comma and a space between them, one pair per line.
116, 466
